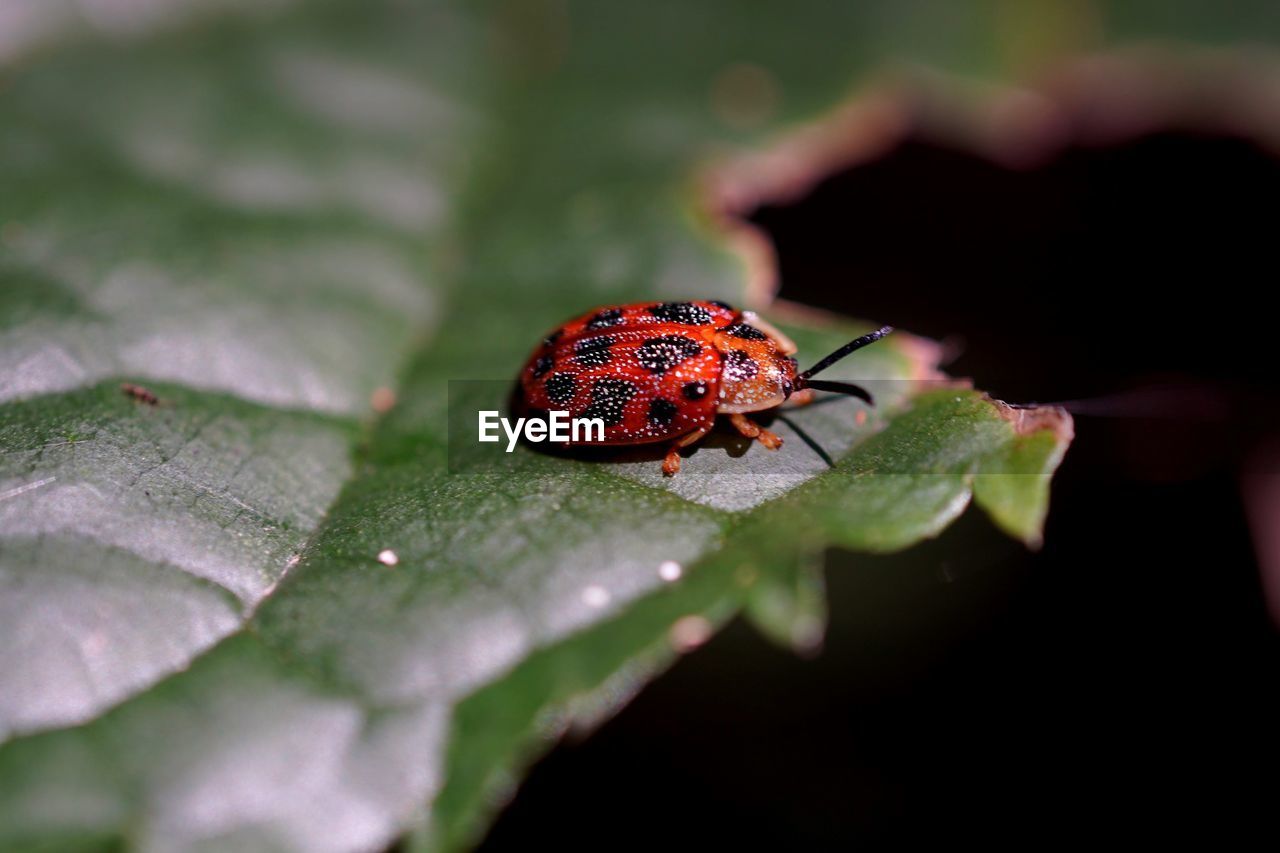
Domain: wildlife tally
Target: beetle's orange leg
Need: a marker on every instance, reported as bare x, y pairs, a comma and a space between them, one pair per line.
751, 429
671, 465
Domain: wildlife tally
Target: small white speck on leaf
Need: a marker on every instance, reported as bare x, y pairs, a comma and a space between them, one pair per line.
388, 557
595, 596
689, 632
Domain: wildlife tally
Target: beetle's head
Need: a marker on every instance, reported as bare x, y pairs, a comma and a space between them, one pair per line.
759, 373
757, 369
752, 381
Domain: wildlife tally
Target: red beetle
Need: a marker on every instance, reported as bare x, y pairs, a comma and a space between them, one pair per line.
662, 371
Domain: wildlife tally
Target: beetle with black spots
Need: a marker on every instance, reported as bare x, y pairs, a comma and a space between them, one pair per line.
664, 371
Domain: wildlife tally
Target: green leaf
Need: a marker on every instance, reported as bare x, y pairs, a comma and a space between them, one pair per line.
269, 221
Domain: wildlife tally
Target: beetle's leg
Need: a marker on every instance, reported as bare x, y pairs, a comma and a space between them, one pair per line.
671, 465
751, 429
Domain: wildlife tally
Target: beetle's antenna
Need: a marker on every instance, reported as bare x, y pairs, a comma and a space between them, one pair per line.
841, 388
852, 346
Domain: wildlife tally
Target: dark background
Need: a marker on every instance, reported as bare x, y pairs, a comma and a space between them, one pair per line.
1120, 682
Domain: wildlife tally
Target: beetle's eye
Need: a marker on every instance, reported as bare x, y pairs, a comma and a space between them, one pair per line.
787, 388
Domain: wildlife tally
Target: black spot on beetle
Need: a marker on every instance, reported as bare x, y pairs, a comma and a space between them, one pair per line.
662, 412
561, 387
747, 333
609, 397
725, 305
607, 317
658, 355
543, 366
550, 340
739, 366
681, 312
695, 390
593, 352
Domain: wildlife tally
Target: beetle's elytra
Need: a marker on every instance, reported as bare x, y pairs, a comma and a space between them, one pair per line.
663, 371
